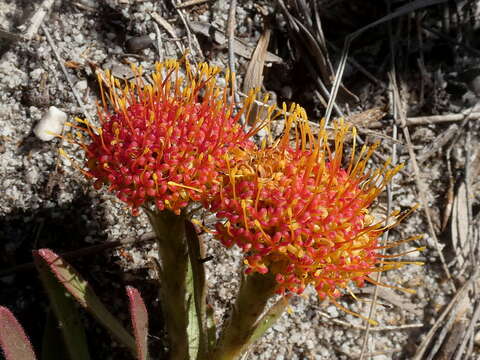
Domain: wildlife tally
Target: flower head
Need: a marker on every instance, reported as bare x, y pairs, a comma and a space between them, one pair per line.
164, 141
297, 212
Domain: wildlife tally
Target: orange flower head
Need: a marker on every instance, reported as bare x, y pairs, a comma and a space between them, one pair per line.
297, 212
164, 141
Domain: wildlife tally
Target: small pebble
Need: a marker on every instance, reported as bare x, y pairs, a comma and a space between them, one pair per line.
51, 124
81, 85
476, 339
332, 311
286, 92
380, 357
36, 74
137, 43
32, 176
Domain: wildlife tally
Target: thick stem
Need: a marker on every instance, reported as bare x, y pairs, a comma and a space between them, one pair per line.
255, 291
173, 254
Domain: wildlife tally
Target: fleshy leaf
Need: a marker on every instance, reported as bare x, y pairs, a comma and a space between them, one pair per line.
197, 287
268, 319
52, 349
172, 270
13, 341
211, 327
139, 316
193, 330
66, 313
252, 298
84, 294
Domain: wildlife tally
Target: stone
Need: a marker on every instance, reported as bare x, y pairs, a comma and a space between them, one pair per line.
51, 124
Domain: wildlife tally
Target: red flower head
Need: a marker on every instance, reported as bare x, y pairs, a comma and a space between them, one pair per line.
296, 212
166, 140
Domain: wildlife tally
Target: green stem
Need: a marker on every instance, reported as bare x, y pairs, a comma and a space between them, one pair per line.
255, 291
173, 254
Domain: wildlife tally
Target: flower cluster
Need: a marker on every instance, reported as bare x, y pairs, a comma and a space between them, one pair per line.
164, 141
293, 206
298, 213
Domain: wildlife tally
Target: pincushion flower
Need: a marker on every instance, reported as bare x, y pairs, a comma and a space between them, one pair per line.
164, 141
298, 213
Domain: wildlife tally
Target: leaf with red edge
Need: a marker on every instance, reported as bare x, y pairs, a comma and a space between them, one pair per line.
81, 290
67, 316
139, 316
13, 341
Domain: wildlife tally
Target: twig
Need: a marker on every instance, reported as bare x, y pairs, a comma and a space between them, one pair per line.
231, 36
88, 5
170, 30
158, 35
86, 251
459, 295
187, 29
9, 36
360, 68
437, 143
314, 53
382, 352
469, 333
468, 183
231, 52
190, 3
37, 18
65, 73
363, 328
253, 78
420, 60
452, 41
434, 119
239, 46
421, 189
440, 337
192, 39
402, 10
389, 207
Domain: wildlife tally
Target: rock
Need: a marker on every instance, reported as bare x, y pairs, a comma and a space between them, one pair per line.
332, 311
36, 74
476, 339
32, 176
81, 85
138, 43
51, 124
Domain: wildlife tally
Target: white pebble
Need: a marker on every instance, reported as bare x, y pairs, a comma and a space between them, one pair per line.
476, 339
35, 74
32, 176
81, 85
51, 124
380, 357
332, 311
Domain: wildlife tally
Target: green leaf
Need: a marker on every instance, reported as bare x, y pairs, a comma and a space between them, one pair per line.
193, 330
13, 341
66, 313
197, 287
173, 265
139, 317
268, 319
52, 349
211, 327
84, 294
